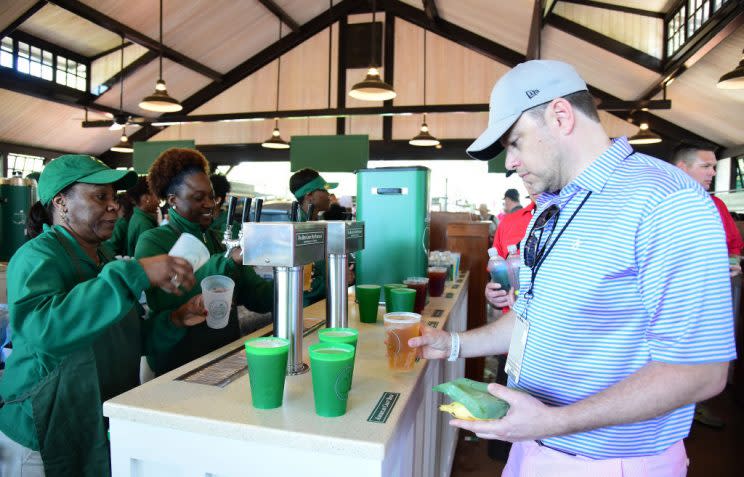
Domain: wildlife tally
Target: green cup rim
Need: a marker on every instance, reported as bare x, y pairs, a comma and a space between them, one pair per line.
266, 351
368, 287
404, 290
312, 351
353, 331
394, 285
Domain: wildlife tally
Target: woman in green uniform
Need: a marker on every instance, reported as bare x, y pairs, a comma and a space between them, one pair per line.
309, 187
181, 177
77, 331
145, 212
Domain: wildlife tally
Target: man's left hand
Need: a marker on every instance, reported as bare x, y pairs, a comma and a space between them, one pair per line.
527, 418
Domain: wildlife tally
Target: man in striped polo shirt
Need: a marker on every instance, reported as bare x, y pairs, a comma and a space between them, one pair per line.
624, 316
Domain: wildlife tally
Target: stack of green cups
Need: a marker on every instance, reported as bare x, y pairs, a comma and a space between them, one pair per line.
341, 335
368, 298
402, 299
267, 368
387, 288
331, 365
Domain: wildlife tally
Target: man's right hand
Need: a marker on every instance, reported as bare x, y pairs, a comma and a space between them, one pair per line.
434, 344
497, 297
169, 273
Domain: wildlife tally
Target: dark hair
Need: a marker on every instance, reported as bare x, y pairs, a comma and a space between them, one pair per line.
300, 178
38, 215
687, 152
581, 100
139, 189
171, 167
220, 185
335, 212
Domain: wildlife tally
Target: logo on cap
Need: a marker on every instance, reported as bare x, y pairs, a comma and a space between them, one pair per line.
531, 93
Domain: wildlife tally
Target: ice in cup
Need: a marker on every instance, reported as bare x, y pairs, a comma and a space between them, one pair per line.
190, 249
402, 299
421, 285
437, 277
368, 299
267, 368
217, 291
399, 328
331, 365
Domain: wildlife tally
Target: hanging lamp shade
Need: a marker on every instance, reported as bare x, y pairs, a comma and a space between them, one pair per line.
123, 145
645, 136
424, 137
160, 101
734, 79
275, 141
372, 88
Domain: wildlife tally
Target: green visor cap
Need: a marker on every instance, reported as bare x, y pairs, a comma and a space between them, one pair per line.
71, 168
316, 184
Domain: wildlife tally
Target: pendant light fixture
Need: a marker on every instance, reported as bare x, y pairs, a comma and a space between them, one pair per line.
160, 101
121, 119
372, 88
424, 138
734, 79
644, 136
276, 141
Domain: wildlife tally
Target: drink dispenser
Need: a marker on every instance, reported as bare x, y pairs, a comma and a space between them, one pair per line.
344, 238
17, 195
286, 247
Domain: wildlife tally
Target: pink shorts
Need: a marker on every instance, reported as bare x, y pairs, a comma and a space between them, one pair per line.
528, 459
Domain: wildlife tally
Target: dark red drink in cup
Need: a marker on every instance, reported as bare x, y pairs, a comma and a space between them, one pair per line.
420, 284
437, 277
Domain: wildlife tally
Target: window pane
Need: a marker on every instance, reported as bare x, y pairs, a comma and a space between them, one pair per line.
23, 49
46, 73
35, 69
71, 66
61, 62
6, 59
48, 58
23, 65
80, 83
61, 77
7, 44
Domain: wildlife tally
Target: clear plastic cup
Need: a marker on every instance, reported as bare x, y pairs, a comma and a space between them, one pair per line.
190, 249
399, 328
217, 291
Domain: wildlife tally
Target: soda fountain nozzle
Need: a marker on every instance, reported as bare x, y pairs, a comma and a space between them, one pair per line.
310, 210
294, 211
246, 216
232, 202
259, 207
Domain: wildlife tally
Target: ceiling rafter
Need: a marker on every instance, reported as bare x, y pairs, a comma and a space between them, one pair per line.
280, 14
617, 8
605, 42
84, 11
113, 49
130, 69
430, 8
22, 18
533, 43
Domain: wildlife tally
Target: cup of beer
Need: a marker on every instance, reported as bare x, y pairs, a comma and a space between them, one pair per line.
399, 328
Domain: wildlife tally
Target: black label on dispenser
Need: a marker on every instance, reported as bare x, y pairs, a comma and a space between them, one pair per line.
437, 313
432, 323
309, 238
384, 407
449, 295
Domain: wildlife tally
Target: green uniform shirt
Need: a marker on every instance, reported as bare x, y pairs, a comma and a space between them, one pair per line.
140, 222
251, 291
118, 241
54, 314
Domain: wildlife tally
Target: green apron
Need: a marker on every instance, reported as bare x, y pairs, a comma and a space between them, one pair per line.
67, 410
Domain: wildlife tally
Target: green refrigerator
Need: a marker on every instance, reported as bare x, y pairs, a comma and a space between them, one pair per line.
393, 203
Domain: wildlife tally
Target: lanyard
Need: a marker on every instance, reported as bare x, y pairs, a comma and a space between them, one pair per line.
549, 248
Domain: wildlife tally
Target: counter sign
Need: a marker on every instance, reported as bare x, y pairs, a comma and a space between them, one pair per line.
384, 407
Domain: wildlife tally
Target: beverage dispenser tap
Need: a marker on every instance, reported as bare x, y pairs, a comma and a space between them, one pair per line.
286, 247
344, 238
310, 210
227, 239
259, 208
294, 211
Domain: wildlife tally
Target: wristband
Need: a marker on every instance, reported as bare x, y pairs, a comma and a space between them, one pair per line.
454, 347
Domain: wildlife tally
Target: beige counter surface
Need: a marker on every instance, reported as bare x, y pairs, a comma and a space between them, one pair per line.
226, 412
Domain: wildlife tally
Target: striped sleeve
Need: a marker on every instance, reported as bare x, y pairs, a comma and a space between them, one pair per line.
683, 281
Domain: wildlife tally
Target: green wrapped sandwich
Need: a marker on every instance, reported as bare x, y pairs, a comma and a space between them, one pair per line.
471, 400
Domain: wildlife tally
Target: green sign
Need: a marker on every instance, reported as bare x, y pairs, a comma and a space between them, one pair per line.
498, 163
145, 153
384, 407
329, 153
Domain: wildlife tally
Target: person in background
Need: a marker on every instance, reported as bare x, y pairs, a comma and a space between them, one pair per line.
485, 216
221, 188
180, 177
624, 319
309, 187
335, 212
77, 330
145, 215
511, 201
118, 241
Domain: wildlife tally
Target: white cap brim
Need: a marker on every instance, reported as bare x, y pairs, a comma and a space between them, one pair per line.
488, 145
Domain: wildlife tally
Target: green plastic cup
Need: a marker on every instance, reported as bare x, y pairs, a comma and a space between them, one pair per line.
267, 368
368, 299
402, 299
331, 365
387, 289
341, 335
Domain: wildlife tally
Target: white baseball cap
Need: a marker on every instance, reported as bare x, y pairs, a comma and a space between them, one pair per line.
525, 86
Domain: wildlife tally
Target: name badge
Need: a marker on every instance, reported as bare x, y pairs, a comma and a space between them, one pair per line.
516, 348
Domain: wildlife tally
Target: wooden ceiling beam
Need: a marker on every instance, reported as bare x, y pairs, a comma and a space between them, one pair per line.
431, 10
22, 18
130, 69
533, 42
280, 14
109, 51
92, 15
